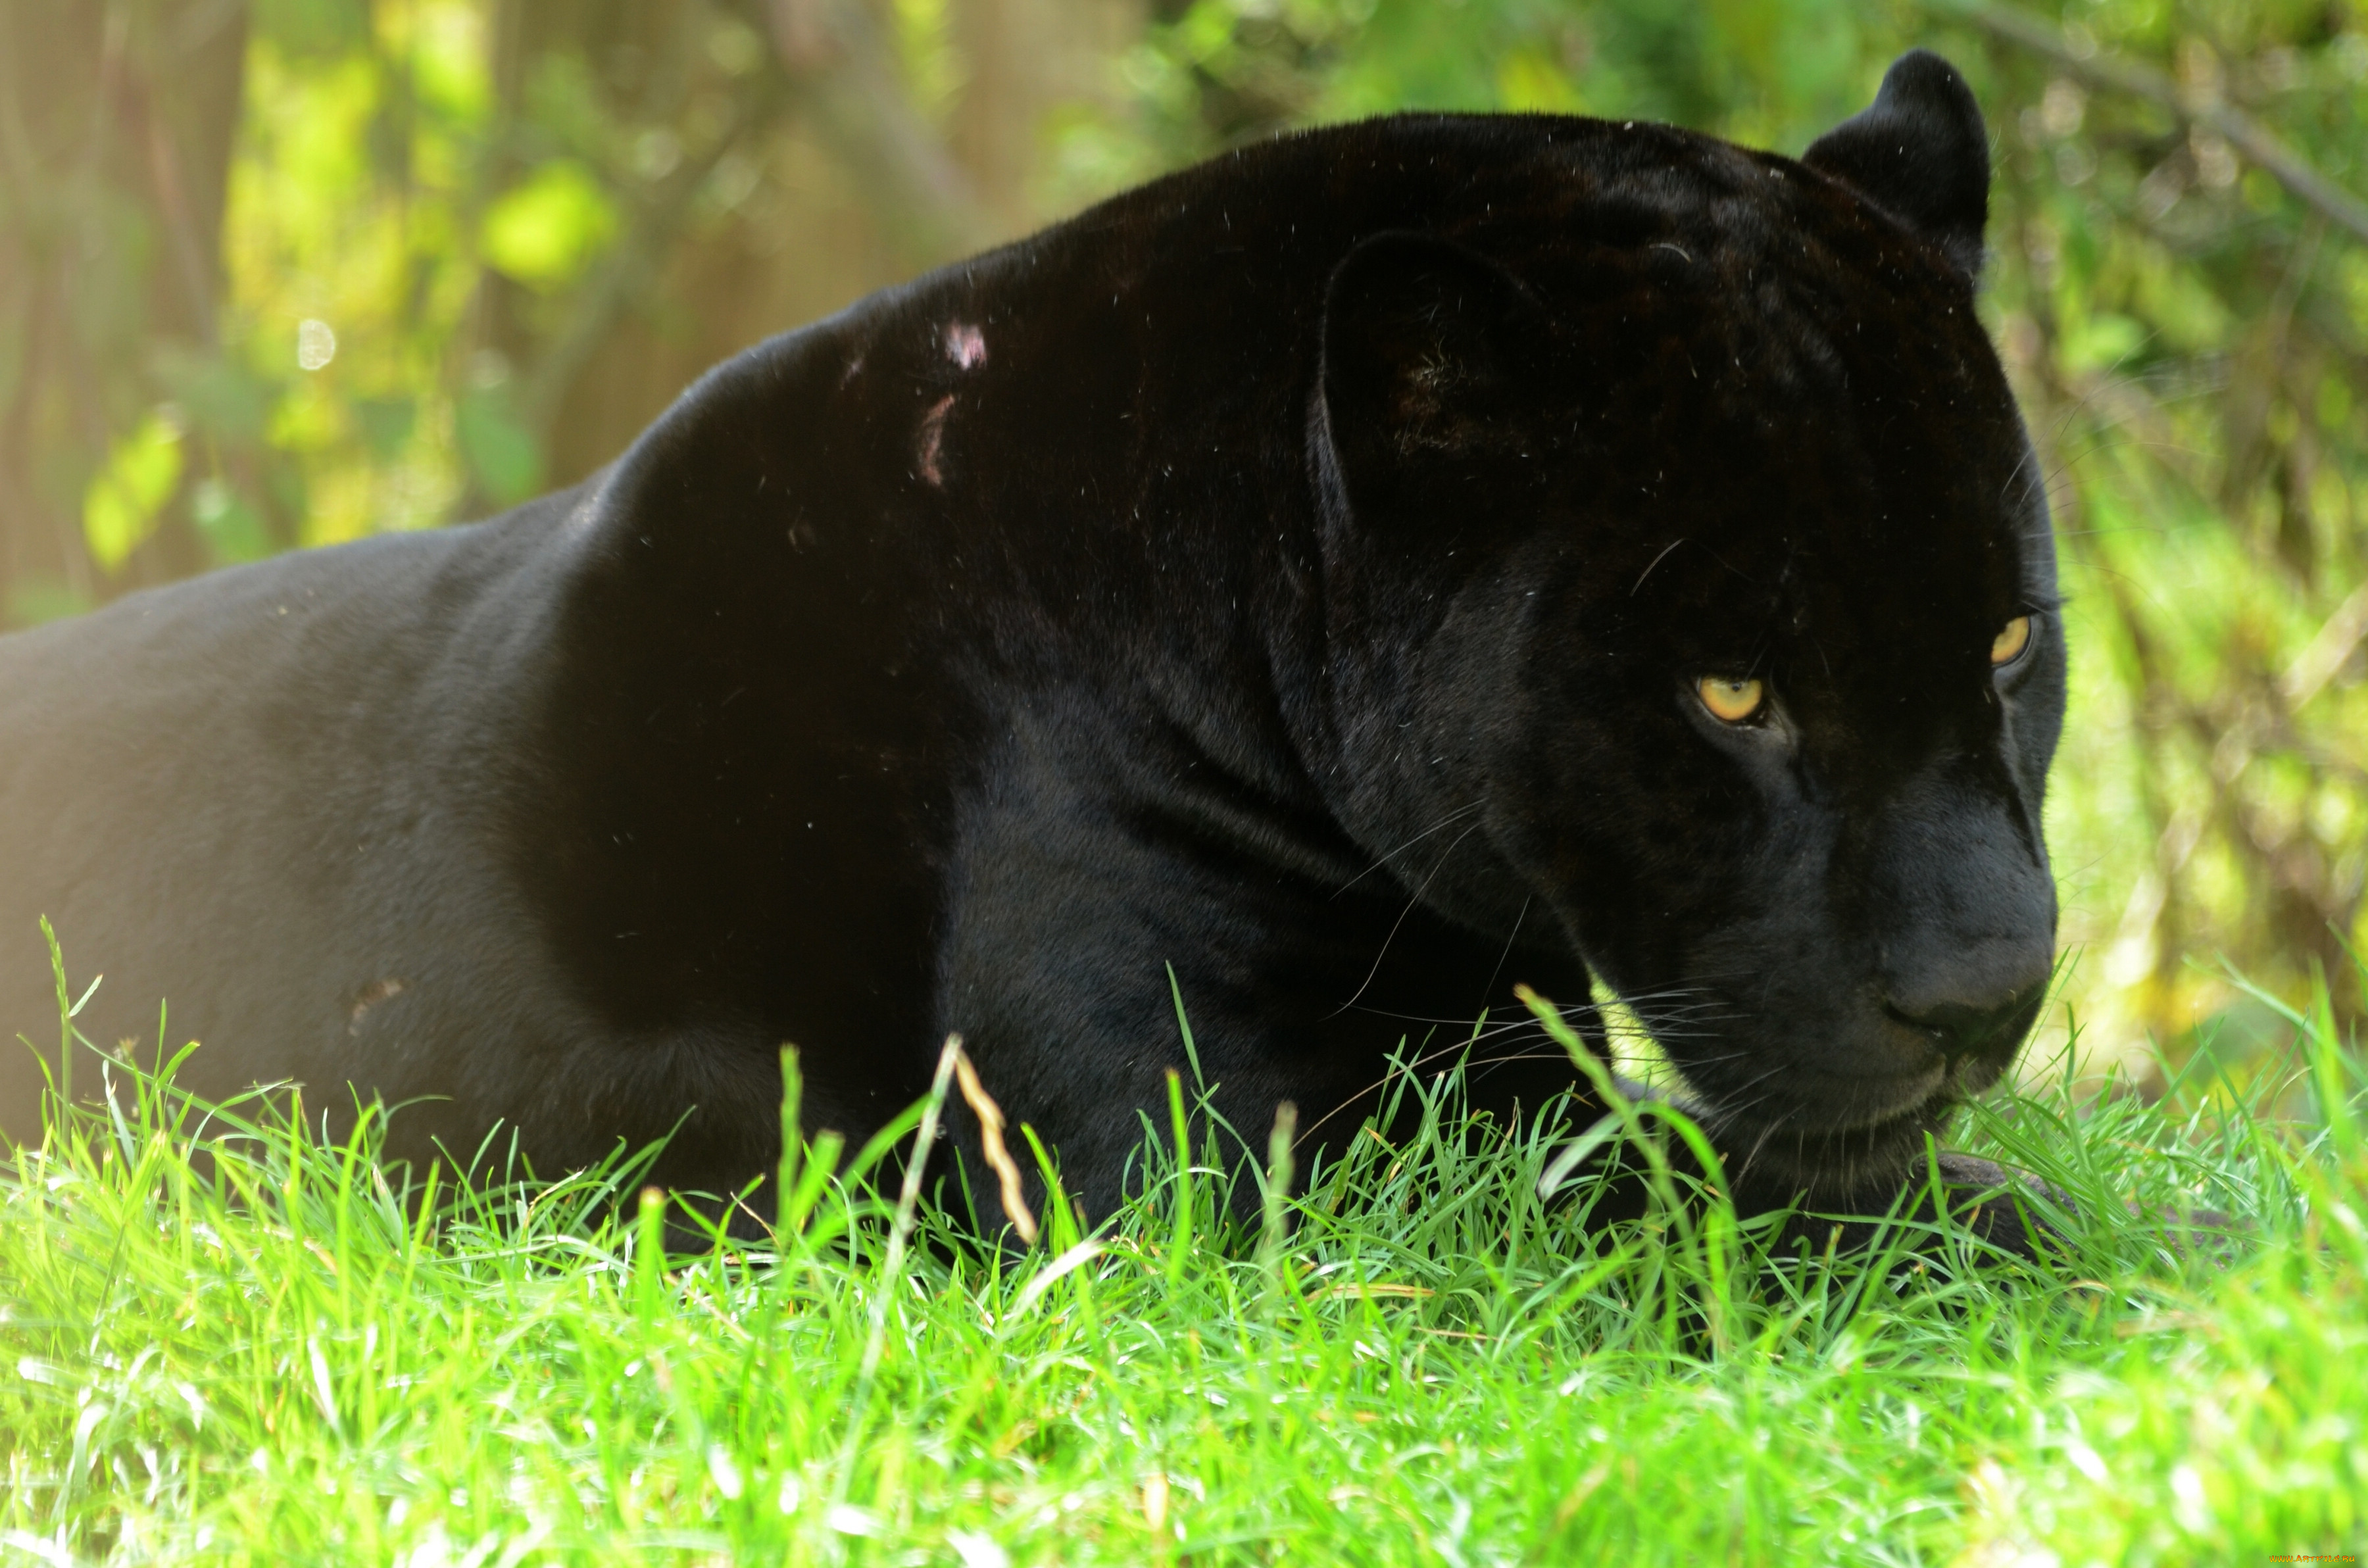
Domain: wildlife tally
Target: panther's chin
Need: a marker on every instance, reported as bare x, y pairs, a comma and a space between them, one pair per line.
1826, 1166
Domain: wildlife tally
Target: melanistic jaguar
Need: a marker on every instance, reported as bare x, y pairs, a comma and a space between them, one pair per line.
1365, 572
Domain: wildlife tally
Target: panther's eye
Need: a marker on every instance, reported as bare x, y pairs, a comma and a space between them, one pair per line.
1732, 700
2011, 640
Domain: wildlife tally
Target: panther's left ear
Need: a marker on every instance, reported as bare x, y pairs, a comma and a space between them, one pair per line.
1920, 152
1424, 348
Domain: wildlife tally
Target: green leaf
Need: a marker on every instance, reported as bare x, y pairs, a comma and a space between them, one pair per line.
386, 423
223, 397
502, 453
544, 231
2103, 342
41, 597
1527, 78
126, 498
231, 528
313, 26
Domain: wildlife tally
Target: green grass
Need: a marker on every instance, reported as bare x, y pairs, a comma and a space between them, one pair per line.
221, 1340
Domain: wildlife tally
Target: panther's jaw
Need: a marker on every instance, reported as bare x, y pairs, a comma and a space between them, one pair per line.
1830, 1164
1844, 1170
1866, 1107
1826, 1165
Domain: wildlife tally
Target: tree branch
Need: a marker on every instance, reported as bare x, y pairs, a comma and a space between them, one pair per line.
635, 259
2241, 131
832, 62
833, 49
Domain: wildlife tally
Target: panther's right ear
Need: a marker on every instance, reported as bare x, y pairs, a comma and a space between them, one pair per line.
1921, 152
1424, 346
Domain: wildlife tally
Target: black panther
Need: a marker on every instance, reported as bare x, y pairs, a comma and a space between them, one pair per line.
1366, 571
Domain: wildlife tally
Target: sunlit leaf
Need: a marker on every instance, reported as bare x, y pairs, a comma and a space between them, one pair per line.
544, 231
1528, 79
2103, 342
126, 498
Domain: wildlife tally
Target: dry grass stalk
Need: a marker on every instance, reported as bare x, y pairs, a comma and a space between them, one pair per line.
998, 1158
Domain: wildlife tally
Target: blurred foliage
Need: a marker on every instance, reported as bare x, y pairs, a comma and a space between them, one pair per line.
300, 270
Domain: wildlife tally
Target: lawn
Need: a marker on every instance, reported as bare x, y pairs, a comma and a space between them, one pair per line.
223, 1341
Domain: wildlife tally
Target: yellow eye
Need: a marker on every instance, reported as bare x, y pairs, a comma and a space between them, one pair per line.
2011, 640
1733, 700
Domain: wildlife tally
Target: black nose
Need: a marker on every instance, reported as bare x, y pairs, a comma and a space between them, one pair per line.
1963, 1030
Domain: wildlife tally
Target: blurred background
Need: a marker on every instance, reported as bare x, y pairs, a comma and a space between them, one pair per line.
277, 273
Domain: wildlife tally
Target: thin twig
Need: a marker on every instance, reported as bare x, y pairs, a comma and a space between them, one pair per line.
2241, 131
2342, 633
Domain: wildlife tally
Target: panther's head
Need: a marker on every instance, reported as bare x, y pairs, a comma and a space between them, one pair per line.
1734, 611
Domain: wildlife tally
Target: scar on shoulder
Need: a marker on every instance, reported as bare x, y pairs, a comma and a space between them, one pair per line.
965, 345
933, 436
376, 992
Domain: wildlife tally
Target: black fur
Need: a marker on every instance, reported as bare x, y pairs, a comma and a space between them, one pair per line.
1919, 150
1296, 570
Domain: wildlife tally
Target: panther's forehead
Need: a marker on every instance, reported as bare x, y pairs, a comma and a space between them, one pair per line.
1801, 448
1870, 607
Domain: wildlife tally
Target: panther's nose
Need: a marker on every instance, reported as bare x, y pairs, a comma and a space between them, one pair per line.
1962, 1030
1975, 1000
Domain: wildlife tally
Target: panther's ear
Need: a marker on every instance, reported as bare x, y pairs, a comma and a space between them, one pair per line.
1424, 346
1922, 153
